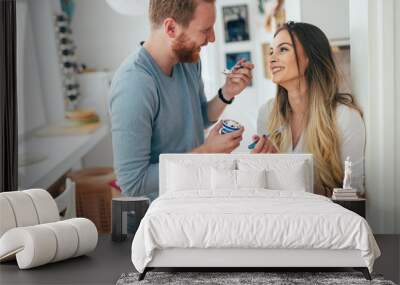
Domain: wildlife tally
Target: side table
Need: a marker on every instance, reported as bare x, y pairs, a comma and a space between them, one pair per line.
355, 205
121, 206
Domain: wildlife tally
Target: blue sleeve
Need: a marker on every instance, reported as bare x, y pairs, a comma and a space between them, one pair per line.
133, 107
203, 100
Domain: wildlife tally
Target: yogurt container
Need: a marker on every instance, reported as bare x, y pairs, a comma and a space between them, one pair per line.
229, 126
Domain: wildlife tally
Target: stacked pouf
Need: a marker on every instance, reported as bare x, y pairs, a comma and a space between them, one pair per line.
31, 233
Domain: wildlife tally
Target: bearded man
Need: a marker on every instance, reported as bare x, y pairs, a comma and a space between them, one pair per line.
158, 103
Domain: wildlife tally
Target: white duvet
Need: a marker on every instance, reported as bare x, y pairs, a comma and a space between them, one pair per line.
253, 218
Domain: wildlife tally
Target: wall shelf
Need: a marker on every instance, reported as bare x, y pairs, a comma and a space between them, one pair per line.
61, 154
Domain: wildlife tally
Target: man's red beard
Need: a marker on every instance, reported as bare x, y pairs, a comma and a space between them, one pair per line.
186, 50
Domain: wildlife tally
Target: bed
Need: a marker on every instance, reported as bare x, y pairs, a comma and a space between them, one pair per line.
243, 210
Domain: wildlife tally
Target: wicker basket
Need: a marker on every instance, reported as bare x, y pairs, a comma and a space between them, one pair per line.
93, 195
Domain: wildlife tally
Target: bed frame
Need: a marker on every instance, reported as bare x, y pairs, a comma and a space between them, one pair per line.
241, 259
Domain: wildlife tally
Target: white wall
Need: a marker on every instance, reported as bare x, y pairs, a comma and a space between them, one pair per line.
95, 89
48, 61
330, 16
104, 37
374, 37
246, 105
31, 114
397, 118
40, 98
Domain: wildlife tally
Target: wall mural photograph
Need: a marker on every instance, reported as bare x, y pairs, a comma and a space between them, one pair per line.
236, 23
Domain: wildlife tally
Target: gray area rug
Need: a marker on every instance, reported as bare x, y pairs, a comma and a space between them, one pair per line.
243, 278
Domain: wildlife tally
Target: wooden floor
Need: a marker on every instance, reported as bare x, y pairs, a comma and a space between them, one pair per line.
389, 262
110, 260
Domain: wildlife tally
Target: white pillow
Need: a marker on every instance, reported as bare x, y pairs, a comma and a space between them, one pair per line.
283, 179
186, 175
282, 174
236, 179
223, 179
251, 178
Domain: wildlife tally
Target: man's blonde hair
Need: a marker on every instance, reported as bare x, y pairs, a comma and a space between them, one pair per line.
181, 10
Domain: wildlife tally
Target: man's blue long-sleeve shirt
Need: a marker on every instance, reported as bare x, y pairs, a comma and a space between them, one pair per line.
152, 113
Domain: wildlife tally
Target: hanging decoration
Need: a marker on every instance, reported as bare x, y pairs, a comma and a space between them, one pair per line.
68, 7
275, 15
67, 60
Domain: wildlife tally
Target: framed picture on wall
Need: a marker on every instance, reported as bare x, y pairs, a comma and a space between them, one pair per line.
265, 53
236, 23
233, 57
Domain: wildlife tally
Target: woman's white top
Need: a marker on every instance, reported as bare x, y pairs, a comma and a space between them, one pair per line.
351, 130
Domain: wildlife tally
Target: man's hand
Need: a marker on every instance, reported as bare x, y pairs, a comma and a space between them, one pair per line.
238, 80
264, 145
217, 143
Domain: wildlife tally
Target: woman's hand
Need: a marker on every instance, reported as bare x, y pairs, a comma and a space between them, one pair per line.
264, 145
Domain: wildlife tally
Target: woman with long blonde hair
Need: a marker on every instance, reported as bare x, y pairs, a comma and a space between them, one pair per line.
308, 113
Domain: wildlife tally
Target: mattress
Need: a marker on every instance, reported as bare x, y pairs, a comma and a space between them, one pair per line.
251, 219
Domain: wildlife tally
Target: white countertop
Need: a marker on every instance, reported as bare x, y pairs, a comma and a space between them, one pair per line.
58, 153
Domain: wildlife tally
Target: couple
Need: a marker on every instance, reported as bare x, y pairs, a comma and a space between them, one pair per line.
158, 103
